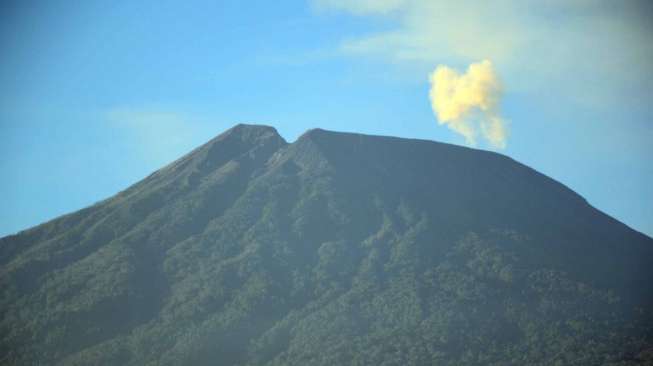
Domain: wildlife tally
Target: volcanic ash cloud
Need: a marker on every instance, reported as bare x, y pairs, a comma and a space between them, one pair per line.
469, 103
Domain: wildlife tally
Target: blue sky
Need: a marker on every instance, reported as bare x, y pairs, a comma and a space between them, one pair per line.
94, 96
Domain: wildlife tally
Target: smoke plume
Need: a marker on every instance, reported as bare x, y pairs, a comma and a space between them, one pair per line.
469, 103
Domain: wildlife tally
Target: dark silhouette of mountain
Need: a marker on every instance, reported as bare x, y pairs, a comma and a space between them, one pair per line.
336, 249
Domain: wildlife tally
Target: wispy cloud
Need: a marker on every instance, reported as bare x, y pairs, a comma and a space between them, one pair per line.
361, 7
159, 135
589, 50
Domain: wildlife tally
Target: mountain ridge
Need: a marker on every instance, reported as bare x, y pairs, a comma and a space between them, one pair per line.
253, 250
309, 132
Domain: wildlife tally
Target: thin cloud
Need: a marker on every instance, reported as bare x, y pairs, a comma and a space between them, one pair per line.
158, 135
588, 50
361, 7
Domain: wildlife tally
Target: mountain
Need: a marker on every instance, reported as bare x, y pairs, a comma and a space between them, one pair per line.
335, 249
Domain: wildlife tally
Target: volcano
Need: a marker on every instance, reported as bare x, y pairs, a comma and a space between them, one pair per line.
336, 249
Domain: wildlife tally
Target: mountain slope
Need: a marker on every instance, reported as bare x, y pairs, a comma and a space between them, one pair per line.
335, 249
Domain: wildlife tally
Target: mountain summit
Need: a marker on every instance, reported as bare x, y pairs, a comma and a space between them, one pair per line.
335, 249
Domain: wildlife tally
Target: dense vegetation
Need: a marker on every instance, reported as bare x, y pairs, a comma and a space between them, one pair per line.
336, 249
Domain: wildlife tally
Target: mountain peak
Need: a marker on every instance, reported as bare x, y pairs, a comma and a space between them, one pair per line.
320, 133
251, 250
240, 143
311, 132
251, 133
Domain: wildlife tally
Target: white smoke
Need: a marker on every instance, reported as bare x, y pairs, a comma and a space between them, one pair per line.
469, 103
